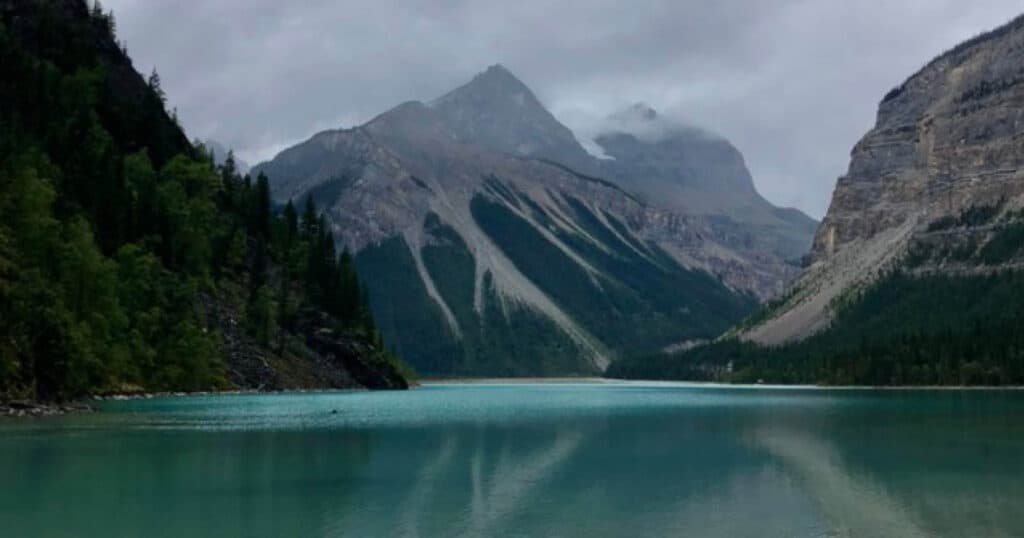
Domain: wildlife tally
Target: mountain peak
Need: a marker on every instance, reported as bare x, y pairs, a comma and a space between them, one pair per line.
496, 85
498, 70
499, 75
498, 111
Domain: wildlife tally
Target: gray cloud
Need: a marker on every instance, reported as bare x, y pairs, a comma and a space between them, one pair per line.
792, 83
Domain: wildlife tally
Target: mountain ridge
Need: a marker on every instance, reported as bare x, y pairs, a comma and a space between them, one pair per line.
496, 110
944, 145
393, 184
700, 173
771, 262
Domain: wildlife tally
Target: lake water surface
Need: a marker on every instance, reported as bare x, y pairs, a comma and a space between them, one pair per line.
524, 460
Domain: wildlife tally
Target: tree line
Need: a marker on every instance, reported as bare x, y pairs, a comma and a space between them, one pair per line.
904, 330
115, 229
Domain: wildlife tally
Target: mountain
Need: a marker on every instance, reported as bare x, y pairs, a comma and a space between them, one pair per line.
915, 271
941, 170
128, 261
673, 167
698, 173
488, 252
498, 112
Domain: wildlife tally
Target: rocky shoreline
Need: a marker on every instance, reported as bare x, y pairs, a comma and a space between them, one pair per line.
34, 409
30, 409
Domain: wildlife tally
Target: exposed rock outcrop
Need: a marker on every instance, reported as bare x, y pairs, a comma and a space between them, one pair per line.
947, 141
28, 408
688, 170
315, 357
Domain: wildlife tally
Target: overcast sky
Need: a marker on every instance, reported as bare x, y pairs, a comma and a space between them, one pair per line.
792, 83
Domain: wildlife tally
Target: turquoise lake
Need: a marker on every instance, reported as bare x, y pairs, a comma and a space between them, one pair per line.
544, 460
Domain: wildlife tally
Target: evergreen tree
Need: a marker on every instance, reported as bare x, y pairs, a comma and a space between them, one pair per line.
154, 86
229, 179
261, 210
310, 219
351, 297
119, 240
905, 329
291, 220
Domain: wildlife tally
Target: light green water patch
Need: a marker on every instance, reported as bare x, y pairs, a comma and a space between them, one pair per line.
605, 460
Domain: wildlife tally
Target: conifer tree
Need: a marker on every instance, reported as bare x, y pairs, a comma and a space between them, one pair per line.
154, 85
261, 208
121, 244
291, 220
310, 219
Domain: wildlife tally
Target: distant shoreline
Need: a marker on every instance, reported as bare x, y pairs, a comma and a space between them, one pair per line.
33, 409
518, 380
695, 384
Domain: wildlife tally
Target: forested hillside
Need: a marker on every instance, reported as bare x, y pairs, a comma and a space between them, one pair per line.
904, 330
128, 261
916, 274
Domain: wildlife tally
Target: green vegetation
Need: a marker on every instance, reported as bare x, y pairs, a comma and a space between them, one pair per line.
505, 339
1005, 245
975, 215
986, 88
904, 330
984, 235
640, 299
409, 319
514, 340
117, 234
769, 308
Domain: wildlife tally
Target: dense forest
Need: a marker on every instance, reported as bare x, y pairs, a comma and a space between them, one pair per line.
904, 330
120, 241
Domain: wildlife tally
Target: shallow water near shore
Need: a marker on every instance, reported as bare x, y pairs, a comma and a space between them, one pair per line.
563, 459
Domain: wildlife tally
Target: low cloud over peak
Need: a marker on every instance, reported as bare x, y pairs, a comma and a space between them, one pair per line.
639, 119
792, 83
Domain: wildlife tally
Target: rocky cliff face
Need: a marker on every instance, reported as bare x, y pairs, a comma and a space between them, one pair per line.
698, 173
932, 186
